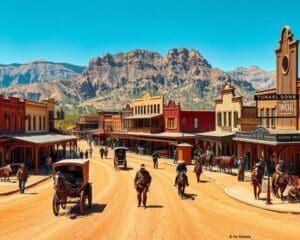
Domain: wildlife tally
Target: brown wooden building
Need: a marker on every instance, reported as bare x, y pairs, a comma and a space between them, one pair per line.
278, 135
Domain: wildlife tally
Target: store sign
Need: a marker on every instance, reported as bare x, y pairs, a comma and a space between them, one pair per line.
275, 96
286, 108
250, 121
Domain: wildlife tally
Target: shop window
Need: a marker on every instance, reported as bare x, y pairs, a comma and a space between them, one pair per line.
196, 123
235, 118
219, 119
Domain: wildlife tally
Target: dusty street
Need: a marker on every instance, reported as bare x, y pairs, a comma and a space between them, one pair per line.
114, 215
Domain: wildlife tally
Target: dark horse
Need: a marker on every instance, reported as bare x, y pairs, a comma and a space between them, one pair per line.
181, 183
282, 182
256, 181
198, 168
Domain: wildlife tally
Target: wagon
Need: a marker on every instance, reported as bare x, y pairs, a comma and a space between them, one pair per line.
120, 157
71, 184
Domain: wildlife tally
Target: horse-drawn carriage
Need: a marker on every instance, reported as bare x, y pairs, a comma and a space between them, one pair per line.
120, 157
71, 180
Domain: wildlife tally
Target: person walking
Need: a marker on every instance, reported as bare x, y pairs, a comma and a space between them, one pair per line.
105, 152
91, 152
22, 177
241, 170
101, 152
155, 157
48, 164
175, 156
142, 183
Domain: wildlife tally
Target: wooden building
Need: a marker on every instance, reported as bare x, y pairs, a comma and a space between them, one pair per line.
86, 124
231, 116
278, 135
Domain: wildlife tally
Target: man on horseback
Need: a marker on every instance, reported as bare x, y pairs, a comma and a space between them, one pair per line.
279, 170
181, 167
142, 182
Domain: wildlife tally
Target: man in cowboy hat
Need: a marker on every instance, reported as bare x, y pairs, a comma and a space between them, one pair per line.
22, 176
280, 170
142, 183
241, 169
181, 167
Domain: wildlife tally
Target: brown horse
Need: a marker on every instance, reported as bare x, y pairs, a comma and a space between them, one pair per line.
198, 168
4, 172
294, 191
225, 162
256, 181
208, 160
181, 183
282, 182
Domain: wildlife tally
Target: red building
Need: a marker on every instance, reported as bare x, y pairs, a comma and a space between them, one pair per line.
12, 115
177, 120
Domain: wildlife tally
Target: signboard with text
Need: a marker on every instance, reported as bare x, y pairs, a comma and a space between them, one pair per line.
286, 108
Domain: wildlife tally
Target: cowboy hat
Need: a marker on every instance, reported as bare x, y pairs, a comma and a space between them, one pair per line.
280, 161
257, 164
181, 161
143, 165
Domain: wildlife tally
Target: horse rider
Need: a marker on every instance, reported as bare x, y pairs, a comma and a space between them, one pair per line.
257, 169
181, 167
142, 183
279, 170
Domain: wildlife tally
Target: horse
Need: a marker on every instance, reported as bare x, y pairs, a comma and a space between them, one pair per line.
4, 172
181, 183
198, 168
294, 191
208, 158
282, 182
256, 181
225, 162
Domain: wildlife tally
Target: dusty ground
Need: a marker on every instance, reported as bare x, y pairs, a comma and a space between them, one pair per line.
207, 213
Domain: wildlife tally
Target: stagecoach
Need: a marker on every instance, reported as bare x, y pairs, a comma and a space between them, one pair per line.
120, 157
71, 184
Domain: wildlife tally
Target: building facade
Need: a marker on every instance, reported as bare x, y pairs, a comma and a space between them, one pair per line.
278, 135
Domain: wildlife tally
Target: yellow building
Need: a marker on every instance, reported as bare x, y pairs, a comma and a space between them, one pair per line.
39, 116
148, 105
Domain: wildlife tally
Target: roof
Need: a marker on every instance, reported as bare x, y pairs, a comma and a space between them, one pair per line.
71, 162
41, 138
159, 135
216, 134
143, 116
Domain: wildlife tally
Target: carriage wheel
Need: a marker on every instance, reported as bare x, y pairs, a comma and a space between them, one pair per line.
90, 195
82, 202
55, 204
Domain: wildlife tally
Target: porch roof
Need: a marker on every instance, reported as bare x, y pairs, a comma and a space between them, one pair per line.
216, 134
265, 142
41, 138
146, 116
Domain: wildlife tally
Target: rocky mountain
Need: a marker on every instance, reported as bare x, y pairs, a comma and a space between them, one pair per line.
111, 81
259, 78
36, 72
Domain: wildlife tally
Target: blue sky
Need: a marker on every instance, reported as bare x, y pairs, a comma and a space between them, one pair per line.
229, 33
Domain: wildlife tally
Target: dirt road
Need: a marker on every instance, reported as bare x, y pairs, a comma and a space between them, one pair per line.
207, 214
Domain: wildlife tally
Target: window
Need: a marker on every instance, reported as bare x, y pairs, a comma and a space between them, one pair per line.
34, 123
148, 109
151, 109
171, 123
154, 108
225, 119
219, 119
196, 123
145, 109
44, 123
273, 111
7, 123
29, 123
229, 119
267, 118
135, 110
235, 118
261, 115
40, 122
158, 108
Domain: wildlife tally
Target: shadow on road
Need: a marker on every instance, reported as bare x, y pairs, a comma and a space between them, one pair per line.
155, 206
204, 181
30, 193
74, 211
189, 196
126, 169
